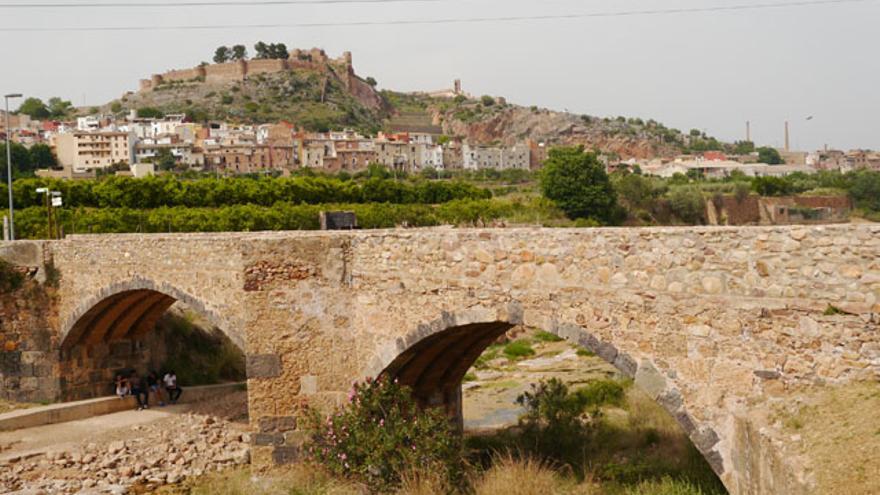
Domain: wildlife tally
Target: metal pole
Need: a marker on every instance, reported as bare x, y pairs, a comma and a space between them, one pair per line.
9, 173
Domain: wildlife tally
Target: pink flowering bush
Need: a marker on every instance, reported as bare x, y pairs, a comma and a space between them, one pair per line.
382, 435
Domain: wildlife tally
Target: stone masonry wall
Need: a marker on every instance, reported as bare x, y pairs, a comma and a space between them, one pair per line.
709, 321
717, 324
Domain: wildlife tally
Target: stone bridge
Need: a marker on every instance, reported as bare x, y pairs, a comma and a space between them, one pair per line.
719, 325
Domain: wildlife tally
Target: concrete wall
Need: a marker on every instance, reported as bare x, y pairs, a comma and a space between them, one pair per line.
717, 324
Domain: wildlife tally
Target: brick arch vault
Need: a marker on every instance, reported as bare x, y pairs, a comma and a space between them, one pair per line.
433, 358
131, 308
111, 330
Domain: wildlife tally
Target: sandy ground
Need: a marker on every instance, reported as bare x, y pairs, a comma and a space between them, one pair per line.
489, 402
109, 427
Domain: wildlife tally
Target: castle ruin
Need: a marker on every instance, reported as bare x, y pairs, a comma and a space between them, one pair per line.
315, 59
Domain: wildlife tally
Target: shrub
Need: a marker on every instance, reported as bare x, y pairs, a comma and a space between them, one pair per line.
382, 434
518, 349
557, 423
687, 204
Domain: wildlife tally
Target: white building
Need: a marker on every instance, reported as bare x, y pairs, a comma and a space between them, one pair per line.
491, 157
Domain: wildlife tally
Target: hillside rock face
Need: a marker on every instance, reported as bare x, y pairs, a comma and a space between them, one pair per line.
514, 124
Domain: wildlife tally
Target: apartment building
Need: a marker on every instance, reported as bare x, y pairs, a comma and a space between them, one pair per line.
83, 151
475, 157
248, 159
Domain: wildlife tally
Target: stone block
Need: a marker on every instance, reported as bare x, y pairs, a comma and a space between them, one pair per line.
650, 380
286, 455
263, 366
308, 385
277, 424
266, 439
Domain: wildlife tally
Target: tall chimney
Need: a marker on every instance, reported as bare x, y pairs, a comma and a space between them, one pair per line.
787, 142
748, 131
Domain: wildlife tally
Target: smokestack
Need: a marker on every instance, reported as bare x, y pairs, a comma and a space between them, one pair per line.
787, 142
748, 131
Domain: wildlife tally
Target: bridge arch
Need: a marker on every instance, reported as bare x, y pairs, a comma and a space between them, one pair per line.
130, 309
433, 359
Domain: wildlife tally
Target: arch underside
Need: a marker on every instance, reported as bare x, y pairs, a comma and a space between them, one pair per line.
126, 315
434, 367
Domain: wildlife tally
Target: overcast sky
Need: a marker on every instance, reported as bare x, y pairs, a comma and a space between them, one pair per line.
710, 70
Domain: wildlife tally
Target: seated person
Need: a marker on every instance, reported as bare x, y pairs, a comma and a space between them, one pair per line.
171, 387
141, 391
123, 388
153, 382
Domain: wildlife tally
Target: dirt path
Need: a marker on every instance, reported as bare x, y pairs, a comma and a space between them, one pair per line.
118, 452
63, 436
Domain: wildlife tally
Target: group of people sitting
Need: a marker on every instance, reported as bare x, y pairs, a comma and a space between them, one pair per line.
142, 386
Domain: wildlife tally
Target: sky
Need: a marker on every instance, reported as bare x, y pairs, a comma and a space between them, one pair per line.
710, 70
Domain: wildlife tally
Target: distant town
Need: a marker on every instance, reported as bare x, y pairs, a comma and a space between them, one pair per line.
139, 147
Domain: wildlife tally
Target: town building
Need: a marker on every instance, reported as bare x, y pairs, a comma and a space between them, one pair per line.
80, 151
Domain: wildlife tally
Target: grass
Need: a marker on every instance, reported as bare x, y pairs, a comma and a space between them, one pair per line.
293, 480
490, 354
519, 349
666, 486
543, 336
585, 353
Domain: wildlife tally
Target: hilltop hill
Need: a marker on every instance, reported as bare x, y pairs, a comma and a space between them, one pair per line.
317, 93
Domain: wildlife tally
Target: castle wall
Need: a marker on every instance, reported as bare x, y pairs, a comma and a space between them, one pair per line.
184, 74
232, 71
314, 59
266, 66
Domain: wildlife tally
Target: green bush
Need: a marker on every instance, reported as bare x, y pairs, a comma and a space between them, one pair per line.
687, 204
383, 435
557, 424
578, 183
518, 349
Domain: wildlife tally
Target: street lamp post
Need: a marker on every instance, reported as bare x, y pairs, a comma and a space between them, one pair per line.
9, 167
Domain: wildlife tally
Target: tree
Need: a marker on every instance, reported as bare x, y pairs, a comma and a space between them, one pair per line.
58, 107
35, 108
278, 50
487, 100
21, 161
116, 107
770, 156
743, 147
262, 50
688, 204
636, 191
239, 52
149, 113
372, 82
222, 55
578, 183
165, 160
865, 190
42, 157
